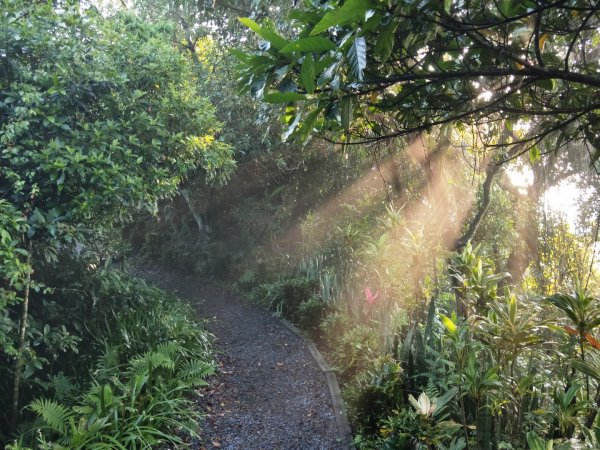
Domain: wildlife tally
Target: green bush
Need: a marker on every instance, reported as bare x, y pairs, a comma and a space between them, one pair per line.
375, 393
143, 405
310, 313
286, 295
352, 346
135, 354
422, 425
89, 139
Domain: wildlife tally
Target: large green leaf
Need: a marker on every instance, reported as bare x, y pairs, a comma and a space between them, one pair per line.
323, 63
447, 6
535, 442
275, 39
326, 75
283, 97
590, 368
307, 74
349, 12
505, 7
257, 87
244, 57
357, 57
309, 44
307, 125
385, 43
441, 401
346, 112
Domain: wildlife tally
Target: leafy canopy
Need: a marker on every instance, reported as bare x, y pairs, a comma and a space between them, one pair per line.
403, 66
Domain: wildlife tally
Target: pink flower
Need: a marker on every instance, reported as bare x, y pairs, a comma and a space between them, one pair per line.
370, 297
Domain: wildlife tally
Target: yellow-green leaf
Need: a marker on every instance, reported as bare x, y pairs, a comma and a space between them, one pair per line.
349, 12
448, 323
275, 39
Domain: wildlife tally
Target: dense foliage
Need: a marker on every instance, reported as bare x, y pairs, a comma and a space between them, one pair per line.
378, 69
97, 127
520, 369
100, 119
459, 310
111, 365
438, 346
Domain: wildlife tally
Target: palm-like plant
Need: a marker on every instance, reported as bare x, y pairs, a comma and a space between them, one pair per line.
591, 368
567, 408
475, 278
537, 443
582, 310
509, 330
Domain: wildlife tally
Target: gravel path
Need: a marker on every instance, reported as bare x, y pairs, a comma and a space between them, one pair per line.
269, 393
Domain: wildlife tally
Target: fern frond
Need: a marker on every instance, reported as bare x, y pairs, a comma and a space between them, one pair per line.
154, 360
169, 348
55, 415
157, 359
62, 386
108, 360
194, 372
431, 390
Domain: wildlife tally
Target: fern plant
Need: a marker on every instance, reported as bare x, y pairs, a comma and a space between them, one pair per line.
145, 361
141, 410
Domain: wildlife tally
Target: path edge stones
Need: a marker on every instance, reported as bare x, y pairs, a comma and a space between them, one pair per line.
339, 407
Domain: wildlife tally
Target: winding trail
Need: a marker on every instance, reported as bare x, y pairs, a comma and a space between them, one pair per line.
269, 393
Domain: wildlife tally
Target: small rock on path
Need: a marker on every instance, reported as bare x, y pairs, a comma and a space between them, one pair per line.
269, 394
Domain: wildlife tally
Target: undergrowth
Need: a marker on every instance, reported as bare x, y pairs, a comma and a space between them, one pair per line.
136, 357
520, 371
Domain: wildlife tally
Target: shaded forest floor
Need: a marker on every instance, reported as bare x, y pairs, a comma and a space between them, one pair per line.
269, 392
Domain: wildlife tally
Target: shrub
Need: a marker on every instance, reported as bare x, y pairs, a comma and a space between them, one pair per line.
352, 346
143, 405
310, 313
375, 393
140, 353
285, 295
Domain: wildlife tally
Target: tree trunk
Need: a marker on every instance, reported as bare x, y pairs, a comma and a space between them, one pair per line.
490, 173
492, 169
197, 217
486, 198
22, 344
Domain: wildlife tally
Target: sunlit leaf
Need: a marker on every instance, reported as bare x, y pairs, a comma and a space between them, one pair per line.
534, 154
275, 39
348, 12
448, 323
447, 6
309, 44
357, 57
